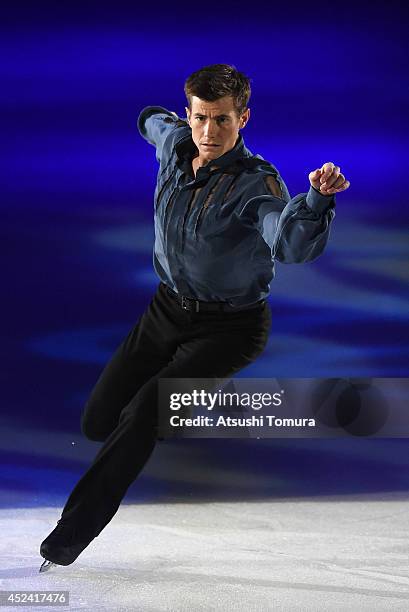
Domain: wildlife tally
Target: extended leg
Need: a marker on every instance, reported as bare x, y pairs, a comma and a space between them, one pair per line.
96, 497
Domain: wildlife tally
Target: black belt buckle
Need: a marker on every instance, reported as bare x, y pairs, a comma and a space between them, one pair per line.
185, 306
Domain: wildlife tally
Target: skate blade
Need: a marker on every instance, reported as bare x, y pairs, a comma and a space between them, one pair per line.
46, 565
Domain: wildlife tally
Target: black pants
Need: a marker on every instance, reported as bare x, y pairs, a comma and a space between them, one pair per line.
166, 342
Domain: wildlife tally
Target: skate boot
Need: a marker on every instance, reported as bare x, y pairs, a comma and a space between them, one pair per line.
62, 546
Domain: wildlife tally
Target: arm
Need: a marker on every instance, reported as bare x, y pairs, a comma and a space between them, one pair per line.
303, 227
155, 123
303, 232
297, 229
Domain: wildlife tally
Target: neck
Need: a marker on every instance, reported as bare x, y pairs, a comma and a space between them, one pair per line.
196, 163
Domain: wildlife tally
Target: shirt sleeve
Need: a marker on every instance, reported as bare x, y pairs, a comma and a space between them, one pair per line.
297, 229
155, 123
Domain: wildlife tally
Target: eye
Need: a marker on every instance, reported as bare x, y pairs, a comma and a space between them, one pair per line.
199, 118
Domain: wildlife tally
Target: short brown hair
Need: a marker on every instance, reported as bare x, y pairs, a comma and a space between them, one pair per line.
217, 80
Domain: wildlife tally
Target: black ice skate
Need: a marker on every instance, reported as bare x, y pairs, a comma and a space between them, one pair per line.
61, 547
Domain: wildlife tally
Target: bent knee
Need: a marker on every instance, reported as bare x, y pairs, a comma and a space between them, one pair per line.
93, 431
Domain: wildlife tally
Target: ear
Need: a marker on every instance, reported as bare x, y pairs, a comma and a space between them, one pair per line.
187, 114
244, 118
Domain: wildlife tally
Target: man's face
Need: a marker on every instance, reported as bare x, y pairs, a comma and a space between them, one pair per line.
214, 123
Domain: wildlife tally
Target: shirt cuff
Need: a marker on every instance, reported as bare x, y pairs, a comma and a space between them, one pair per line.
319, 202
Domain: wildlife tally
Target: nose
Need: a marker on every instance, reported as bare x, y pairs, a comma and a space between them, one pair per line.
210, 129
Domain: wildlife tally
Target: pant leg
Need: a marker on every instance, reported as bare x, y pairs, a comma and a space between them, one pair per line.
214, 347
147, 348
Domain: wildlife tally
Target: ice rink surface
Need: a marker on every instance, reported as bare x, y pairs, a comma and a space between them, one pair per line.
316, 554
196, 532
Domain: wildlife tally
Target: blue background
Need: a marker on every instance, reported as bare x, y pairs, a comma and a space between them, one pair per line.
330, 83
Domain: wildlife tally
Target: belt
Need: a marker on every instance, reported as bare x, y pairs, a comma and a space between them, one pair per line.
188, 303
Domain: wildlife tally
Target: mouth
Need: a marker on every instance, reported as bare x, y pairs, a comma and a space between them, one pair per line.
210, 145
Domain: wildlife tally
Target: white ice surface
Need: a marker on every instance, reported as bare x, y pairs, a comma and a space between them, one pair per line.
345, 553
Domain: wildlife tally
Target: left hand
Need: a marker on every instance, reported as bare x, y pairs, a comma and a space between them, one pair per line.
328, 179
